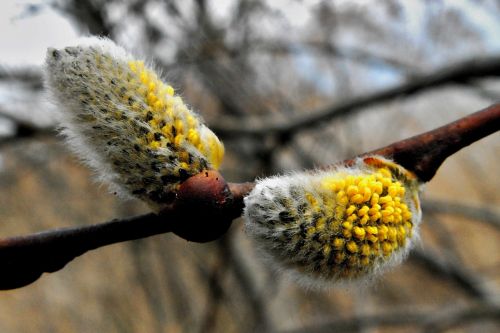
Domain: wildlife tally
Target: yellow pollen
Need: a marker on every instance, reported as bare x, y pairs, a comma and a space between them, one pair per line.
357, 198
352, 247
352, 218
191, 121
364, 220
359, 233
144, 77
347, 225
179, 139
179, 126
310, 198
320, 224
339, 212
158, 106
365, 249
366, 194
391, 234
350, 210
338, 243
193, 137
382, 232
170, 91
339, 257
154, 144
151, 99
375, 217
384, 200
326, 250
363, 210
387, 248
352, 190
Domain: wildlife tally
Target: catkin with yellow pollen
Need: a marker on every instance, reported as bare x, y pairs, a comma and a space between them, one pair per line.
126, 123
341, 224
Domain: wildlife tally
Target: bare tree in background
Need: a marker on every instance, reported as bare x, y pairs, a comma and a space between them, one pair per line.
286, 86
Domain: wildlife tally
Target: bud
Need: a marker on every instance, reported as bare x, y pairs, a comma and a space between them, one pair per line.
348, 223
126, 123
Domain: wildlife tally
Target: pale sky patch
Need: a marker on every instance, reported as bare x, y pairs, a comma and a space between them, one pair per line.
25, 37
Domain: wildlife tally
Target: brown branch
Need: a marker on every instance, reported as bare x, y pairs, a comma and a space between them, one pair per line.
206, 205
424, 153
24, 258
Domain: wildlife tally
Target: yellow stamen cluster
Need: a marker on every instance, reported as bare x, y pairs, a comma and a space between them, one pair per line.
170, 120
127, 123
371, 212
336, 224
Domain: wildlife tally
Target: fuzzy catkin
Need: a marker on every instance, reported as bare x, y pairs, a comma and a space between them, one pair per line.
343, 224
126, 123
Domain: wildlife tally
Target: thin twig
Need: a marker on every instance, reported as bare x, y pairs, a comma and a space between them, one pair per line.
435, 321
469, 282
483, 214
448, 319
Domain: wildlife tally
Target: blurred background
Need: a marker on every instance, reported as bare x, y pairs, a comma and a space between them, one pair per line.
286, 85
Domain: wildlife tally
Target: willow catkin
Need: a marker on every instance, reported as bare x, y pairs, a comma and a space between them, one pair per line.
126, 123
342, 224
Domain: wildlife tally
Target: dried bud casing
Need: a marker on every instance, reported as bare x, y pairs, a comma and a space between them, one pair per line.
126, 123
347, 223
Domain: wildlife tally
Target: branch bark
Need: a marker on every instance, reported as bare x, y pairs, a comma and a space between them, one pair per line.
24, 258
424, 153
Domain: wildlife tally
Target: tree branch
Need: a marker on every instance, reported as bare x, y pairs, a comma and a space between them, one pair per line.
456, 73
463, 278
24, 258
424, 153
206, 205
